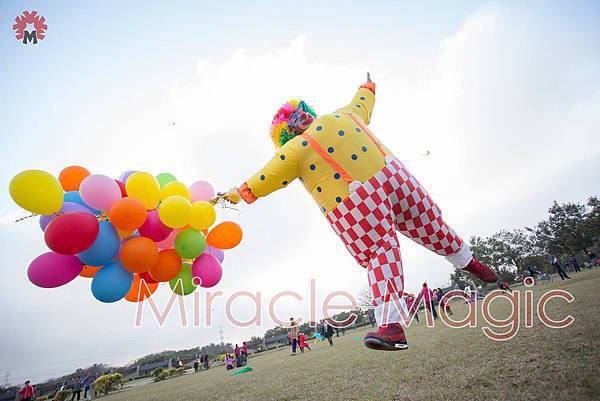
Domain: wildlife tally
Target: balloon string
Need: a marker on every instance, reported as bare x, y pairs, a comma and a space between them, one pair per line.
26, 217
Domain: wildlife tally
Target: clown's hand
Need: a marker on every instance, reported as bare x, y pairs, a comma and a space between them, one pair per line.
233, 196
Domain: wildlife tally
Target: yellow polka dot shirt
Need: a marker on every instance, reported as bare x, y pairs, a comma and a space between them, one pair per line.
340, 138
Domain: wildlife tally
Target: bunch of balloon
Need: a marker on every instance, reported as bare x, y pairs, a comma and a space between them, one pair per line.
128, 234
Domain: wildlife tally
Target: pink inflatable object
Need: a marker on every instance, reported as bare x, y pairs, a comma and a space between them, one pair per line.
202, 191
51, 270
208, 269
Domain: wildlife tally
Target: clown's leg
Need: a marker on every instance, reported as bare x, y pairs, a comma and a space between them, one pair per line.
420, 219
365, 224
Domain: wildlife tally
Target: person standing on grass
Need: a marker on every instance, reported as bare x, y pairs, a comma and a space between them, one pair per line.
594, 258
556, 264
371, 317
245, 349
76, 388
410, 305
237, 353
427, 296
87, 382
293, 335
27, 392
302, 342
574, 264
196, 364
327, 332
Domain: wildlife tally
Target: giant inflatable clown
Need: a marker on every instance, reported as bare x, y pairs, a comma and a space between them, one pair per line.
365, 193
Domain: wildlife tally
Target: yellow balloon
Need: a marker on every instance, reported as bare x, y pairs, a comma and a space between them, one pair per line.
143, 187
202, 215
175, 188
174, 212
36, 191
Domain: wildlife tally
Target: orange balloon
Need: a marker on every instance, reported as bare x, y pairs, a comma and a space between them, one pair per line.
70, 177
89, 271
138, 254
128, 214
167, 267
140, 291
225, 235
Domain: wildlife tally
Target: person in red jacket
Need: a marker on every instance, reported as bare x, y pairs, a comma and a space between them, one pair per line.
427, 296
302, 342
27, 392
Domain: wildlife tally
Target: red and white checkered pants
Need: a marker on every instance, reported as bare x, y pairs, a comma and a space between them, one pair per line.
392, 200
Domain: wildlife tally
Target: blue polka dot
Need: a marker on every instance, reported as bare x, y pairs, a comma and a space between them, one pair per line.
341, 132
304, 143
358, 105
262, 177
319, 128
330, 149
323, 208
337, 116
319, 189
282, 157
313, 167
338, 199
358, 130
336, 176
362, 98
364, 148
354, 157
284, 183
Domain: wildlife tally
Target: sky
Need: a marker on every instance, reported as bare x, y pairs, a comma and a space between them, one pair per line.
504, 95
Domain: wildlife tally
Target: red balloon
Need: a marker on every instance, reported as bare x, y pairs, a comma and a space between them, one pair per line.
71, 233
147, 278
122, 188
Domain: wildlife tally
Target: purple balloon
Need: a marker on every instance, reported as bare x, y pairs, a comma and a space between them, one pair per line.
51, 270
208, 269
219, 254
123, 178
67, 207
153, 228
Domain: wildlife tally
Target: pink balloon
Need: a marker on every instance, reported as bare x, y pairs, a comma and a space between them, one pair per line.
153, 228
99, 191
51, 270
208, 269
202, 191
219, 254
168, 242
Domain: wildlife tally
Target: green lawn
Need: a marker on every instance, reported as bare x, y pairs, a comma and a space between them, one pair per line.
441, 363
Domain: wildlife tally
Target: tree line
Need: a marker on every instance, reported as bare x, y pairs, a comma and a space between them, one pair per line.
571, 231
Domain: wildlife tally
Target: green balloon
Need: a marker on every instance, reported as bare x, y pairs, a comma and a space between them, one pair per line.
165, 178
190, 243
183, 283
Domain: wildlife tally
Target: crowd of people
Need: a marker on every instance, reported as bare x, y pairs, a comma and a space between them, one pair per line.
238, 358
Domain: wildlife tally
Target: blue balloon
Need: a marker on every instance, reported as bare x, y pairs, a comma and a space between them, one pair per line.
111, 283
104, 249
74, 197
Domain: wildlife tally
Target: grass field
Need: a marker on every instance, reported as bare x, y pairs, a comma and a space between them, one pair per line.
441, 363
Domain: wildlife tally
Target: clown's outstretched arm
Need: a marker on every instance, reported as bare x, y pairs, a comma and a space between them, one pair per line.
278, 173
363, 102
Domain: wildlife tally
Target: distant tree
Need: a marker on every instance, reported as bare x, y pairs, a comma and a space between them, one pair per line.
365, 298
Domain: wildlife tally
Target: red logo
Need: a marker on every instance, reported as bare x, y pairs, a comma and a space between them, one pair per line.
30, 27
